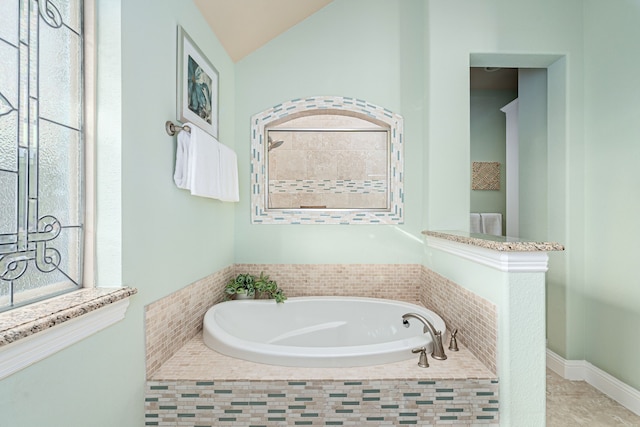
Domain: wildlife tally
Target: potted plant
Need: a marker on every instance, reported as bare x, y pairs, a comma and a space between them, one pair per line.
243, 287
269, 287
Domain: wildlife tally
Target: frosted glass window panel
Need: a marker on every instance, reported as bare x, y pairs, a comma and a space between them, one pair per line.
59, 73
37, 287
8, 137
8, 207
9, 21
41, 148
62, 13
8, 78
60, 271
5, 295
59, 188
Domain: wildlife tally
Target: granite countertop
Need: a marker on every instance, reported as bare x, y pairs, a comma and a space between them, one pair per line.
496, 243
28, 320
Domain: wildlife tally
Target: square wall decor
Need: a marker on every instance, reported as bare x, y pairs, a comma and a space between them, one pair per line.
485, 176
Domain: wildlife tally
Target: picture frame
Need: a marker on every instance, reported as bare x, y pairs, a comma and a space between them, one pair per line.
197, 86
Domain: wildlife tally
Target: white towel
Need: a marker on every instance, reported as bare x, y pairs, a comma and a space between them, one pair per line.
475, 223
180, 176
205, 166
492, 223
228, 175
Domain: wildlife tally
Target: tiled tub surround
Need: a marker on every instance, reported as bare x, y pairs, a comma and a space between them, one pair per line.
173, 320
29, 320
390, 281
200, 387
176, 318
474, 317
190, 385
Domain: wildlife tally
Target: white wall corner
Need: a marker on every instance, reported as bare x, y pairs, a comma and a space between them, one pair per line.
581, 370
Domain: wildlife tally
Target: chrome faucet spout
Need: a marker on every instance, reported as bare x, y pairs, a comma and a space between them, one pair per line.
436, 336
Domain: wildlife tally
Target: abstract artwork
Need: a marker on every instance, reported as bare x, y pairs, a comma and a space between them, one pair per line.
197, 100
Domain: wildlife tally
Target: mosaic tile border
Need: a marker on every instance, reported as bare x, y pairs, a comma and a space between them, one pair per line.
322, 403
358, 186
261, 215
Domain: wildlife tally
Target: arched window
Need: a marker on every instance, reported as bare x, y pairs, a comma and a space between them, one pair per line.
327, 160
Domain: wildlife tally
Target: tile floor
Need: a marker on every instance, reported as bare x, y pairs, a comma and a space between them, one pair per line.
576, 403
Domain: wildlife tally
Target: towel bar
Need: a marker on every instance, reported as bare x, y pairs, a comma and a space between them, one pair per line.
172, 128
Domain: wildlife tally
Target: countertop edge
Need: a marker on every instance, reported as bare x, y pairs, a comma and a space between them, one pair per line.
490, 243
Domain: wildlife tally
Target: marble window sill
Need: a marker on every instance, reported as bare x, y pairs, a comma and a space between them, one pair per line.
31, 333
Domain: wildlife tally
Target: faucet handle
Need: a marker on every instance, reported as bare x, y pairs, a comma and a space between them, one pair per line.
453, 343
422, 362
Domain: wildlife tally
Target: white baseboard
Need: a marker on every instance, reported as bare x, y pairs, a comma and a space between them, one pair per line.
581, 370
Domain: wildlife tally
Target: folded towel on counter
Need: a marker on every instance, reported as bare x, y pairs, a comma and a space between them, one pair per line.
492, 223
475, 223
201, 169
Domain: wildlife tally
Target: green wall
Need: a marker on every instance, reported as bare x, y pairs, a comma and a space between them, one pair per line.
503, 33
612, 187
371, 50
532, 153
151, 235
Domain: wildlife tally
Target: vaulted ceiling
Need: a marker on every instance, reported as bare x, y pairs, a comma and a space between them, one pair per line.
243, 26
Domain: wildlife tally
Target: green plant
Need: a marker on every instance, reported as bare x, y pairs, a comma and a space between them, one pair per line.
270, 287
248, 284
243, 284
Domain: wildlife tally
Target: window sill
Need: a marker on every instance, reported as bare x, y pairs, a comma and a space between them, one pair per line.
31, 333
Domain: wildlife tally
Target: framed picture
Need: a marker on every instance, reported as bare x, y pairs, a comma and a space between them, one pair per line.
197, 84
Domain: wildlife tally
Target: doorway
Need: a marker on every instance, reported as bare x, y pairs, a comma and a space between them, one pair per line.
508, 130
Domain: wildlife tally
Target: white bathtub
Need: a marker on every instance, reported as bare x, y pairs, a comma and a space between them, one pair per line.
317, 331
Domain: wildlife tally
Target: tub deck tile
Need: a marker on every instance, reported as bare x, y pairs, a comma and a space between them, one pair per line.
195, 361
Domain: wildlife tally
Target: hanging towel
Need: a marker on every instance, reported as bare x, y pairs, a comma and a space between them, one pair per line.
204, 164
476, 223
492, 223
206, 167
180, 176
228, 175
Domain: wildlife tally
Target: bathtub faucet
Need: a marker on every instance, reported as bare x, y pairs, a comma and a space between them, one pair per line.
436, 336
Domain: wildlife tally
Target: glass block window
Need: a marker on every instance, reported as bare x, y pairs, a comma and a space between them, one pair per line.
41, 149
